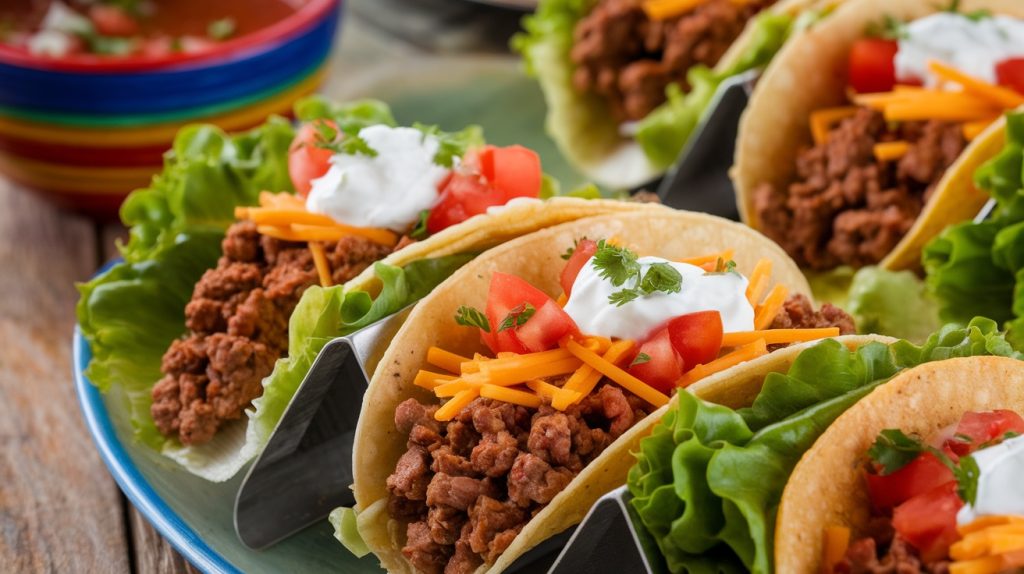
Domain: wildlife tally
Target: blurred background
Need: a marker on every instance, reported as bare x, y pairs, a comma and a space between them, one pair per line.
92, 91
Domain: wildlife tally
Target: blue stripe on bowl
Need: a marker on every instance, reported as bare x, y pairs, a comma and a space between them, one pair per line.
169, 90
134, 485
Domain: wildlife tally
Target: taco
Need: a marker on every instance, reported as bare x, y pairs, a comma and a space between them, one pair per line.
860, 140
723, 489
923, 475
232, 283
510, 399
627, 81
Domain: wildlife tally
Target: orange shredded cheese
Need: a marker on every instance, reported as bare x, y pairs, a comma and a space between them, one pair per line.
448, 410
622, 378
665, 9
583, 381
999, 96
778, 336
837, 540
758, 280
712, 259
283, 200
823, 120
972, 130
740, 355
507, 395
562, 300
452, 388
284, 216
323, 269
511, 375
299, 232
446, 360
430, 380
891, 151
766, 311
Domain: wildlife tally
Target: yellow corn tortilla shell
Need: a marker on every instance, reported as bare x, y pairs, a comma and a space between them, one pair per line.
582, 124
826, 487
537, 259
809, 74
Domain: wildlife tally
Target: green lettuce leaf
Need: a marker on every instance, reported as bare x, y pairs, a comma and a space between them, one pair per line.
894, 303
664, 132
978, 268
708, 480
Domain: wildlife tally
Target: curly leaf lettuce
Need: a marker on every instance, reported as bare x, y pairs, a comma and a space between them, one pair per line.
708, 481
978, 268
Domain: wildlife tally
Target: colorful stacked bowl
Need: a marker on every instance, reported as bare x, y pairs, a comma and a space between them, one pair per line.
85, 130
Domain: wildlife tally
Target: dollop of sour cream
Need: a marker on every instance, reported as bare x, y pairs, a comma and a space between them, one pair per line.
999, 483
594, 314
972, 45
386, 190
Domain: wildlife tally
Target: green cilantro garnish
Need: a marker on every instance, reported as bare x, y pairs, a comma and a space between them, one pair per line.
568, 252
420, 231
890, 28
452, 145
640, 359
722, 267
616, 264
345, 141
471, 317
619, 266
221, 29
517, 317
893, 450
976, 15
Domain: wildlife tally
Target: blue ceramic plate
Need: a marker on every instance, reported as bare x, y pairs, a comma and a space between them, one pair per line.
196, 516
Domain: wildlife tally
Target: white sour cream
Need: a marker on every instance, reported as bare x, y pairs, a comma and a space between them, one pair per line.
595, 315
972, 46
999, 484
387, 190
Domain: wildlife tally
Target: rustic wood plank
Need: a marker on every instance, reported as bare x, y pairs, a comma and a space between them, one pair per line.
61, 510
153, 555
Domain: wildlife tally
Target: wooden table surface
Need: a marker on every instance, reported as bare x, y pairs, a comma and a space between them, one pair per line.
60, 511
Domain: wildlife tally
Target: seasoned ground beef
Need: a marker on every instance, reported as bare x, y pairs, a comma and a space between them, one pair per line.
846, 206
467, 487
238, 327
881, 552
628, 59
797, 313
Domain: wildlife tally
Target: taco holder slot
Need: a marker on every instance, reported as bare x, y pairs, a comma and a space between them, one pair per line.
305, 470
699, 180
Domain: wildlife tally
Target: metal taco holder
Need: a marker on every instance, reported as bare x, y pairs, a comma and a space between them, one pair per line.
305, 470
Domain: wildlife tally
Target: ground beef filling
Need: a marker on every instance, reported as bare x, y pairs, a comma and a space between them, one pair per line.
847, 207
797, 313
882, 552
467, 487
628, 59
237, 324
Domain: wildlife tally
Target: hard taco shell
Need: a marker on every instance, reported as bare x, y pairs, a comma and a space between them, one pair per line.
537, 258
826, 487
809, 74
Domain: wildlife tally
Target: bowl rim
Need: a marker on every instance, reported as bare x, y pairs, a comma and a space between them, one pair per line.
304, 17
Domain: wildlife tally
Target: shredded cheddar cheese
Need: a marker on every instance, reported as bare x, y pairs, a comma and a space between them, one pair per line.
323, 269
740, 355
891, 151
430, 380
448, 410
837, 540
510, 396
823, 120
446, 360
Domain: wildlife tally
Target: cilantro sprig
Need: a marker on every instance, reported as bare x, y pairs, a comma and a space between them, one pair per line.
517, 317
893, 450
640, 359
472, 317
621, 266
722, 267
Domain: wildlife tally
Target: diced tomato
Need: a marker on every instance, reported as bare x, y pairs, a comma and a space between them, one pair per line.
306, 161
489, 177
872, 67
584, 250
663, 366
514, 170
463, 195
983, 428
697, 337
541, 332
1010, 73
113, 21
928, 521
923, 474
